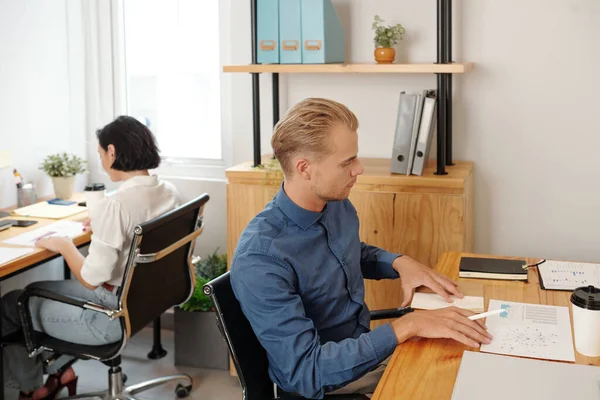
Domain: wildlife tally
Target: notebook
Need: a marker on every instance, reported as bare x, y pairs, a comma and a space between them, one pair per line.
492, 268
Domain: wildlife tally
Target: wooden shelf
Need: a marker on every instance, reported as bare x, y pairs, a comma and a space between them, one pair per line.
455, 68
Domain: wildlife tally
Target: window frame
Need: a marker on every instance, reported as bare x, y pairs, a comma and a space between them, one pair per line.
209, 168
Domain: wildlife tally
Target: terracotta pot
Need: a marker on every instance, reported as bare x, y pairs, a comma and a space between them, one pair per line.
385, 55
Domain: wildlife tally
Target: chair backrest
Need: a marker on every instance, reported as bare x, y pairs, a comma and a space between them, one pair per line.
249, 357
159, 272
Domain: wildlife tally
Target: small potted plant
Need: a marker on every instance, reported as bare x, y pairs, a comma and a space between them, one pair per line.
198, 342
386, 36
63, 168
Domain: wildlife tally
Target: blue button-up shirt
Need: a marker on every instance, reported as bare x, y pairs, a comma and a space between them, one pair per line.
298, 276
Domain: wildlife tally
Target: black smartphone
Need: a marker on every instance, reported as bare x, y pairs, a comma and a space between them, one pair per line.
20, 223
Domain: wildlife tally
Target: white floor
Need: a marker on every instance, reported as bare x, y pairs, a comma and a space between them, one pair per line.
208, 384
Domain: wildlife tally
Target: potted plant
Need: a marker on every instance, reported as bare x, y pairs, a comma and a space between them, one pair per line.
62, 168
386, 36
198, 342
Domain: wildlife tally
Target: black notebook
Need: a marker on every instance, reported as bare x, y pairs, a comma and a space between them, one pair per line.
492, 268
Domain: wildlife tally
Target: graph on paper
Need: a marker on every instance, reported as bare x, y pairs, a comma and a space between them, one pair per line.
563, 275
530, 330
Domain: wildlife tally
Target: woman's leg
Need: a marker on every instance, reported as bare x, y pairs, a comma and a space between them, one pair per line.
26, 372
59, 320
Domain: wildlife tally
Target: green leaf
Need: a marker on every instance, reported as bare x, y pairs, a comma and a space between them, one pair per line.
207, 269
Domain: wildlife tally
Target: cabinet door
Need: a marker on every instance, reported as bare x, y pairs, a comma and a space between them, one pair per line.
244, 202
376, 215
426, 225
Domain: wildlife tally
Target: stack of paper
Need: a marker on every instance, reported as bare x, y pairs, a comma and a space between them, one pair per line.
45, 210
60, 228
472, 300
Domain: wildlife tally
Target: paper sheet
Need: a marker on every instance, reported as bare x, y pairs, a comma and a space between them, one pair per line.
432, 301
563, 275
9, 253
530, 330
45, 210
60, 228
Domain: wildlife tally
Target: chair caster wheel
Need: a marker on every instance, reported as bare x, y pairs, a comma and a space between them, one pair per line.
183, 391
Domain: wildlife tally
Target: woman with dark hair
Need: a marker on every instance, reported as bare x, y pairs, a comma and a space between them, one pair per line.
127, 150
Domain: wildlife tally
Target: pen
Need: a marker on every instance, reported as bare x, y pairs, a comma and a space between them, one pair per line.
487, 314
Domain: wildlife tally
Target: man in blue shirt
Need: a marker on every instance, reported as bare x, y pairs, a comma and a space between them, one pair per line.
299, 265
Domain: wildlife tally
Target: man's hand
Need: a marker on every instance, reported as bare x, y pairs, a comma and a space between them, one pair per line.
56, 244
414, 274
450, 323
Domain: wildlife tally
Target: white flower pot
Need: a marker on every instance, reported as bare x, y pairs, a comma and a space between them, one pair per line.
63, 187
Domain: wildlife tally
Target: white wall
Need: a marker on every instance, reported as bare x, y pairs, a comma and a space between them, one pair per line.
40, 97
530, 98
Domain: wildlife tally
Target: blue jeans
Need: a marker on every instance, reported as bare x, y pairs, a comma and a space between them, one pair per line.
59, 320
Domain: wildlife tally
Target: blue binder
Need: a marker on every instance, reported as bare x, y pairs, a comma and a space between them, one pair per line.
290, 31
322, 33
267, 31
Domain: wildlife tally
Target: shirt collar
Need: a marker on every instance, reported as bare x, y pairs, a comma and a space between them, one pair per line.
300, 216
140, 180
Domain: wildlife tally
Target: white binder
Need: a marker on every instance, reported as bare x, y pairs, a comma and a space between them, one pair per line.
404, 132
426, 133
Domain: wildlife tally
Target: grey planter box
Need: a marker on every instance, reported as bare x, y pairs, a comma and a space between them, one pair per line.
198, 341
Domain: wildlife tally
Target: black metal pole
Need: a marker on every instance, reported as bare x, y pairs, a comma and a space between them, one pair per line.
255, 87
157, 350
449, 78
441, 89
275, 98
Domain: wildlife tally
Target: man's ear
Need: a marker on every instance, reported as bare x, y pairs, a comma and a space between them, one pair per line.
302, 167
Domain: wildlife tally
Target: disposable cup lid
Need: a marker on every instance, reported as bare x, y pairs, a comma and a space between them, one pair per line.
587, 297
94, 187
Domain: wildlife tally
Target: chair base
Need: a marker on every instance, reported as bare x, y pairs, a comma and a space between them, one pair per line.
117, 390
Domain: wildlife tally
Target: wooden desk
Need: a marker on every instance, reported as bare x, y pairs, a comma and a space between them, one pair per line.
38, 256
427, 368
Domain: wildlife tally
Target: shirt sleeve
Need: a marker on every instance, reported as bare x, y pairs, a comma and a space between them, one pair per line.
376, 263
108, 237
266, 290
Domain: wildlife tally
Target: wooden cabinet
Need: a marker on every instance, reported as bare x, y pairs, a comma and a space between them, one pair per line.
421, 216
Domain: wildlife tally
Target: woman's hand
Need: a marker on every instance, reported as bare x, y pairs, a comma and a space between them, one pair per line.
56, 244
87, 225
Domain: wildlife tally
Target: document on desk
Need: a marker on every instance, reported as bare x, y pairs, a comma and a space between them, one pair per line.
494, 377
8, 254
530, 330
564, 275
60, 228
46, 210
426, 299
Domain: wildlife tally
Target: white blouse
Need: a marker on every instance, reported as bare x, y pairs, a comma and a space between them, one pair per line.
138, 199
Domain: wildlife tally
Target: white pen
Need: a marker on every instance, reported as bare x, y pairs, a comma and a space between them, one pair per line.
487, 314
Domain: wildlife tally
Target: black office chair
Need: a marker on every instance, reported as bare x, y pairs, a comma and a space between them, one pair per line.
249, 357
158, 276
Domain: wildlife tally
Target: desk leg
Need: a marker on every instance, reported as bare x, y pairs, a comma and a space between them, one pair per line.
66, 270
157, 349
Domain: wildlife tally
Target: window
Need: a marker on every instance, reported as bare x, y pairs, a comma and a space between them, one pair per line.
171, 52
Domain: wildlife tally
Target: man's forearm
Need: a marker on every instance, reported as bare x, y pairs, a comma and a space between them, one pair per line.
74, 260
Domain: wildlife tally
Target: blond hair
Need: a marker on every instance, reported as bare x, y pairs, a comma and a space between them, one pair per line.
305, 129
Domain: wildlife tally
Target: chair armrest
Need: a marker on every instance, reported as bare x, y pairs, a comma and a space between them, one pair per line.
23, 305
390, 313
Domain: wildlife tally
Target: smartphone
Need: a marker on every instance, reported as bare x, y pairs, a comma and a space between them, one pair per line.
20, 223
